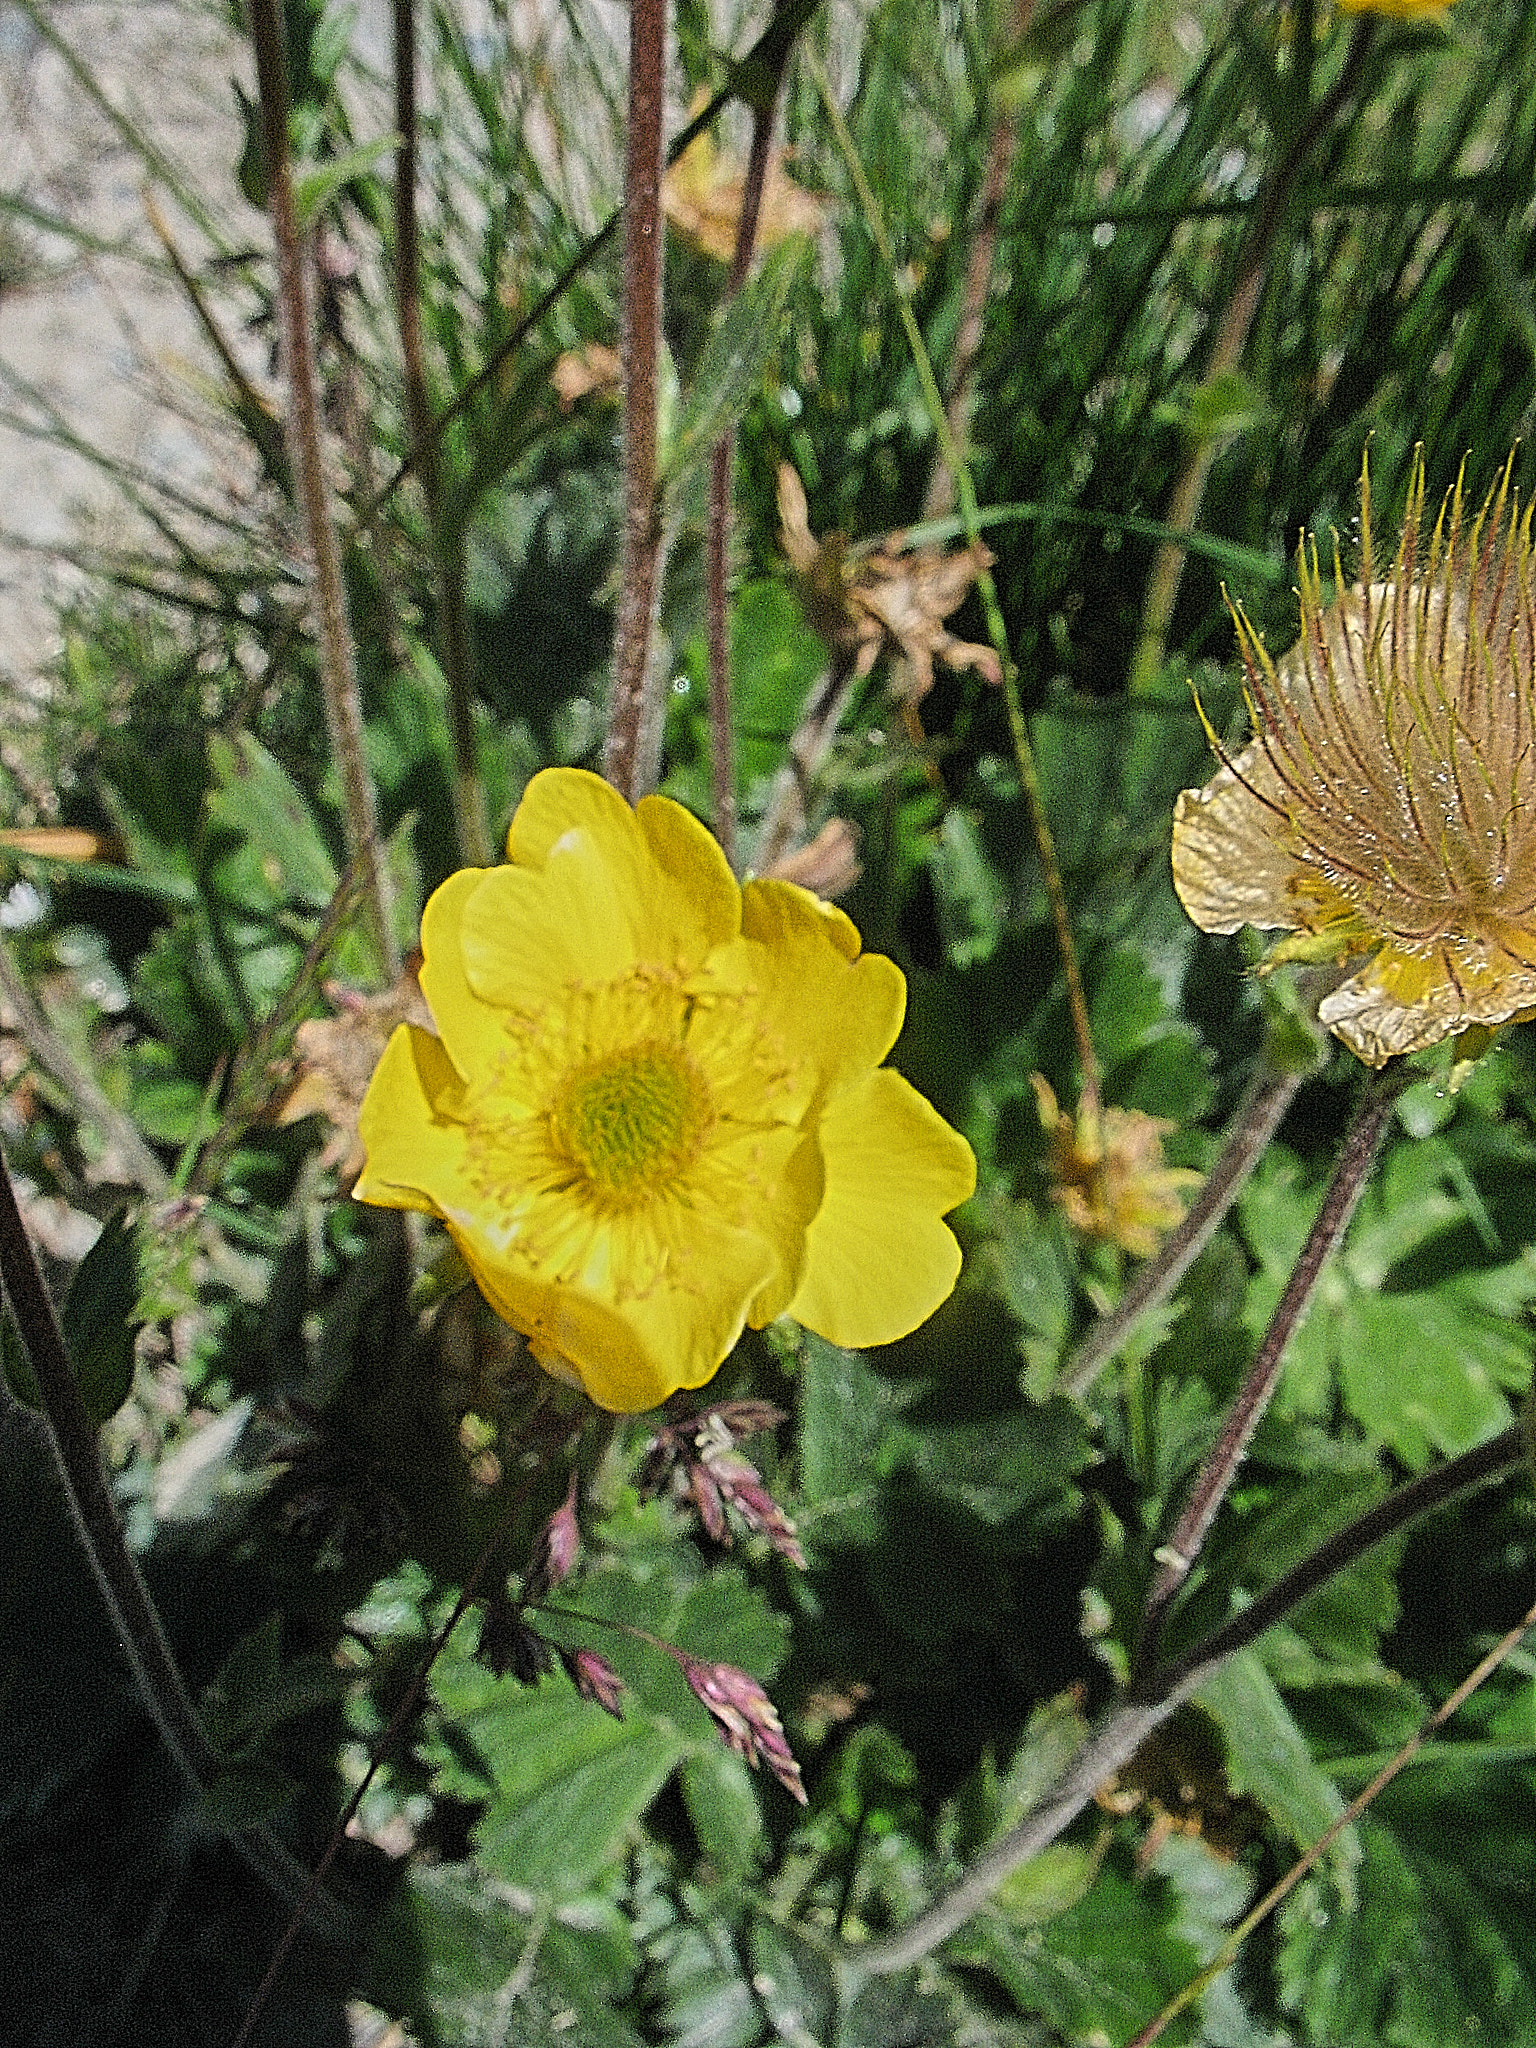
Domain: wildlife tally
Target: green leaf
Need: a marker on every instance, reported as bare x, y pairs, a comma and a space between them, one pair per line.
257, 1689
1269, 1758
794, 1980
466, 1967
741, 344
1423, 1372
1440, 1947
969, 894
566, 1781
314, 184
98, 1317
255, 799
721, 1797
1111, 1961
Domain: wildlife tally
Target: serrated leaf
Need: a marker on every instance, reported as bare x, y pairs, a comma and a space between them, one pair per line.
1440, 1946
452, 1956
1269, 1758
970, 896
567, 1781
97, 1317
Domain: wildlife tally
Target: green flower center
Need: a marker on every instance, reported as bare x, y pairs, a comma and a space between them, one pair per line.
632, 1121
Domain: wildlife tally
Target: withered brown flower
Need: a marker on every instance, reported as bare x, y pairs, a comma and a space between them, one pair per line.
1385, 810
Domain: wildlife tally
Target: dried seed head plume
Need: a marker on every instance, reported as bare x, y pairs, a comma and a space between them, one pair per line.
1386, 806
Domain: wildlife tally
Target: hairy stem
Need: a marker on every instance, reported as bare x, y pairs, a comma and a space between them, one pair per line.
764, 57
1258, 1118
632, 754
338, 657
1128, 1724
1357, 1156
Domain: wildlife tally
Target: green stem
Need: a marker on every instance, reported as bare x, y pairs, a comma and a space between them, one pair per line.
338, 657
632, 754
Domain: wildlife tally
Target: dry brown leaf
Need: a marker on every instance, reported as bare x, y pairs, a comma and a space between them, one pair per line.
894, 599
594, 370
336, 1057
703, 193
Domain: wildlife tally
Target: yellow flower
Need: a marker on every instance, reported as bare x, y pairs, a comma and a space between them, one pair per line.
1386, 809
656, 1109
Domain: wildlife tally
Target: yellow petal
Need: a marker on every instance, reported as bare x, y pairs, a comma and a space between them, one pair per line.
839, 1010
471, 1030
1230, 866
878, 1259
705, 904
595, 889
631, 1359
407, 1122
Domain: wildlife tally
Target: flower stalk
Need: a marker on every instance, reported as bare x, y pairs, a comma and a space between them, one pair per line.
338, 654
1357, 1157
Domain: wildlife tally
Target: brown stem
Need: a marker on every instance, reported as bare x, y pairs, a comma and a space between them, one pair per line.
1357, 1156
1257, 1120
1227, 346
1128, 1724
632, 754
765, 56
448, 555
722, 750
338, 658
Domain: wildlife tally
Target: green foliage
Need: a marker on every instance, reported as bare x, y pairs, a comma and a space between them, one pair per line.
311, 1457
